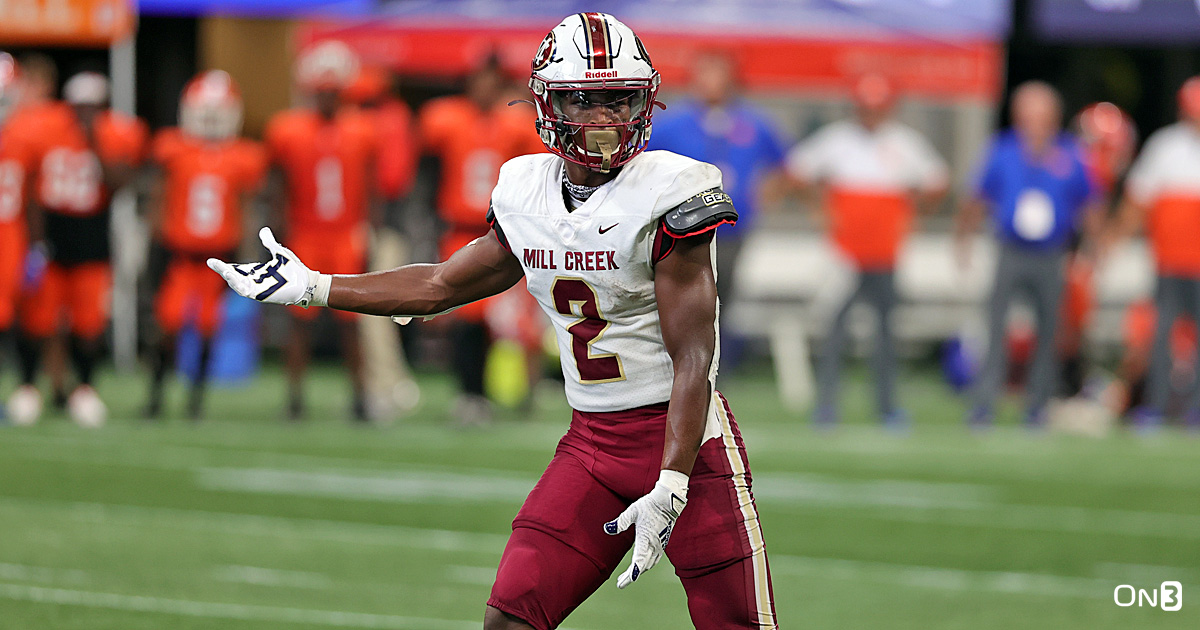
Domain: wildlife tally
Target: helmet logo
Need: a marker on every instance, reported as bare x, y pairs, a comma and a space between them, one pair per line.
642, 54
545, 53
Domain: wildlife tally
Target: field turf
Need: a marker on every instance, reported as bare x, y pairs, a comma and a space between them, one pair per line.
245, 522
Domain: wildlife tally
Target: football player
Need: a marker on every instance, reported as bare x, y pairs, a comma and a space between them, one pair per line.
12, 212
207, 174
617, 246
77, 153
469, 137
325, 156
1162, 193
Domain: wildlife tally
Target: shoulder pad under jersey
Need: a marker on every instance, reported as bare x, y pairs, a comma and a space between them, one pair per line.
700, 213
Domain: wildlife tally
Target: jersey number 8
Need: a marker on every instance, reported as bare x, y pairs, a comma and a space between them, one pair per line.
71, 180
206, 205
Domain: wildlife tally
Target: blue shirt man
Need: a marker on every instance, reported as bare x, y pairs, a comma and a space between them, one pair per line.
1037, 202
718, 128
1038, 191
736, 137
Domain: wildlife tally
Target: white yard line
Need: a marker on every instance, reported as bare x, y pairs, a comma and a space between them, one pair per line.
941, 578
26, 573
171, 457
806, 489
346, 532
423, 486
480, 576
1055, 518
262, 576
214, 610
886, 499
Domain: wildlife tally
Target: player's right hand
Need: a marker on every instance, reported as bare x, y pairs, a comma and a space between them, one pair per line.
281, 280
653, 517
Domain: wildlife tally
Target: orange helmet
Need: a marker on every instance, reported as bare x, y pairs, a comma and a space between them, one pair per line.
8, 85
1189, 98
329, 65
371, 85
211, 107
1109, 137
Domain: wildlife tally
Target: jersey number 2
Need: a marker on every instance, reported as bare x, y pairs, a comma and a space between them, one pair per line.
593, 368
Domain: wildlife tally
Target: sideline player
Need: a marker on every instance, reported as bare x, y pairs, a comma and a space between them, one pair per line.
470, 136
78, 153
326, 156
1163, 192
207, 174
875, 173
617, 246
13, 237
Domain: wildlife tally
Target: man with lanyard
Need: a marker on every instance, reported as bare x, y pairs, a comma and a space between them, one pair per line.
719, 128
1038, 189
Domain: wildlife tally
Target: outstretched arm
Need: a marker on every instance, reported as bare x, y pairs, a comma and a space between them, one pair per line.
481, 269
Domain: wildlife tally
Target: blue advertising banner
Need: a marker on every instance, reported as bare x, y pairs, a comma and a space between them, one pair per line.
1118, 21
259, 8
957, 19
935, 19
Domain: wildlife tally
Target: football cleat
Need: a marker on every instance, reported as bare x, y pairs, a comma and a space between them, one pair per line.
86, 408
25, 406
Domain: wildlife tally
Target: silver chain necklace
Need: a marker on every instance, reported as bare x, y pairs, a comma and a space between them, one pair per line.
578, 191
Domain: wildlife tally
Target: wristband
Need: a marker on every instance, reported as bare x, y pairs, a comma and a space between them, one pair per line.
674, 481
319, 288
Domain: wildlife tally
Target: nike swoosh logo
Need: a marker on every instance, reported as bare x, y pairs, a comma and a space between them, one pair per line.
605, 229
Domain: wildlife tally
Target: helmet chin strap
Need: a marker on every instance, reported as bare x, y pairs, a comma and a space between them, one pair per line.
604, 142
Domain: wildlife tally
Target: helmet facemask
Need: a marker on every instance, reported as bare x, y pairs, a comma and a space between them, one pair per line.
211, 107
598, 146
211, 121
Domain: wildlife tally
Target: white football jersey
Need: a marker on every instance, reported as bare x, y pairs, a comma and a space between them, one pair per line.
593, 273
1168, 165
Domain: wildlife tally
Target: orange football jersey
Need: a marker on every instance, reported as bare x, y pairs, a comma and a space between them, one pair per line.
472, 145
397, 150
67, 178
206, 184
12, 181
328, 165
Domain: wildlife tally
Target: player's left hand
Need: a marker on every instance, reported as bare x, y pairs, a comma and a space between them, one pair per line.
654, 515
282, 280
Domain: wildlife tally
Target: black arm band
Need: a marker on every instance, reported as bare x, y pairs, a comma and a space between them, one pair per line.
700, 213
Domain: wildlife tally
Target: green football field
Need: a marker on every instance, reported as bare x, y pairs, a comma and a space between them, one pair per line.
245, 522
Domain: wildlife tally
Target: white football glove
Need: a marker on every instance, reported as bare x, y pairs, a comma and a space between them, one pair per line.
281, 280
654, 515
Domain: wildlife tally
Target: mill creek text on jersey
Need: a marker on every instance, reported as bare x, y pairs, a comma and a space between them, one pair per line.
571, 261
